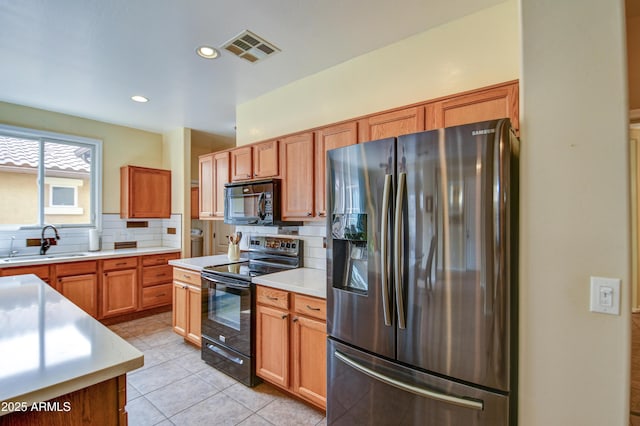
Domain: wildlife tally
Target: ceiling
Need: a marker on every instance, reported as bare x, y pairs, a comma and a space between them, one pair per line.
88, 57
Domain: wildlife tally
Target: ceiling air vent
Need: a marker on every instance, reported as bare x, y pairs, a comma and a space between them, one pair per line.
251, 47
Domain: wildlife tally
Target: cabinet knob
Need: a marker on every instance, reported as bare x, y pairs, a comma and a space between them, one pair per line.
284, 316
309, 214
255, 175
272, 298
295, 319
322, 214
312, 309
248, 176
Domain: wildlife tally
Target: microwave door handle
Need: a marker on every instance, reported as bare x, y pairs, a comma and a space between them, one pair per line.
261, 206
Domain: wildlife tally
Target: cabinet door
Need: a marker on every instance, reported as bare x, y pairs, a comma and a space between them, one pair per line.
327, 139
265, 159
179, 319
296, 166
272, 345
221, 176
309, 354
207, 188
392, 124
145, 192
493, 103
119, 292
194, 315
241, 164
195, 209
81, 290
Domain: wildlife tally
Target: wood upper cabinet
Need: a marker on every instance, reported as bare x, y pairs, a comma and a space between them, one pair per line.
297, 170
241, 163
499, 101
392, 124
265, 159
255, 161
145, 192
329, 138
213, 174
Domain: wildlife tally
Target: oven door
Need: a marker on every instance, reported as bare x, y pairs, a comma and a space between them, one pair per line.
226, 312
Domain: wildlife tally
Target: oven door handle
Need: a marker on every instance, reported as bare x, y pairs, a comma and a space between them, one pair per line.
226, 283
225, 354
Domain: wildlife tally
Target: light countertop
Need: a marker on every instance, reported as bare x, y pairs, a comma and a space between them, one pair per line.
197, 263
312, 282
49, 347
53, 257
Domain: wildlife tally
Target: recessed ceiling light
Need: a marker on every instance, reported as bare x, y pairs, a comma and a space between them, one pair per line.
138, 98
207, 52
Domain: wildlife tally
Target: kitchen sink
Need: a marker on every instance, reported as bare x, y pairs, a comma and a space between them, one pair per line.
41, 257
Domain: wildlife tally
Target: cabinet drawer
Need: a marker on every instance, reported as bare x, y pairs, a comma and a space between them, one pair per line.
157, 295
159, 259
187, 276
41, 271
272, 297
153, 275
310, 306
76, 268
120, 263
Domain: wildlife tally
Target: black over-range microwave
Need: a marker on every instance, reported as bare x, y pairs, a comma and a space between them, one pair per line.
253, 203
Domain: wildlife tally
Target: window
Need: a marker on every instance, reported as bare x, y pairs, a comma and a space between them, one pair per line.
48, 178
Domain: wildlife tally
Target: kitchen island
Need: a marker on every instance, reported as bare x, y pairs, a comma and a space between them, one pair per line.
58, 365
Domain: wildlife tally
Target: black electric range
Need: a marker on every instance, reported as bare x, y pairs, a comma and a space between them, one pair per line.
228, 304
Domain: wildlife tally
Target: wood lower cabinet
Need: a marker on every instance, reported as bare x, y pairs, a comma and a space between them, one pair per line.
78, 282
272, 345
291, 343
119, 288
187, 305
42, 271
296, 167
145, 192
157, 277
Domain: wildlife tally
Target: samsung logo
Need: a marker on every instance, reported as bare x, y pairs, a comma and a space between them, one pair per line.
483, 132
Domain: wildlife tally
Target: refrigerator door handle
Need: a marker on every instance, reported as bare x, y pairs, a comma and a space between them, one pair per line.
398, 251
384, 250
423, 392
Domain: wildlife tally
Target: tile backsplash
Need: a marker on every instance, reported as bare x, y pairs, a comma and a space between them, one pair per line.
113, 229
312, 233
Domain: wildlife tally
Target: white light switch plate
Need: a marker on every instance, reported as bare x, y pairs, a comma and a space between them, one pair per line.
605, 295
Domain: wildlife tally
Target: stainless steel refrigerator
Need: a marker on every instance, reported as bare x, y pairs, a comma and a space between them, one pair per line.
422, 278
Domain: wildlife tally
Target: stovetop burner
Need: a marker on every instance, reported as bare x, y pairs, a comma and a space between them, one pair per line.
266, 256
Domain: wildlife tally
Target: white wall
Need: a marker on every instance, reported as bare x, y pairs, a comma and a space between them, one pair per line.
574, 365
475, 51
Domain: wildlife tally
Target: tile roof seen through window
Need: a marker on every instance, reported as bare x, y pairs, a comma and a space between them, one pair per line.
17, 152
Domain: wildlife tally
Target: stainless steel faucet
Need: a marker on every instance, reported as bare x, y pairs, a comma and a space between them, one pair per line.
44, 242
12, 252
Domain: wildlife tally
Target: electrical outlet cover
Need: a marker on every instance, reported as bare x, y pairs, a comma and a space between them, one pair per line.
605, 295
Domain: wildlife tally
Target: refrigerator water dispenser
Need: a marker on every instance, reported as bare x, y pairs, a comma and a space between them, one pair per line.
349, 232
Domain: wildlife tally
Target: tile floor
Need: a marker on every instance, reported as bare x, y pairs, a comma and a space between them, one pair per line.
175, 387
